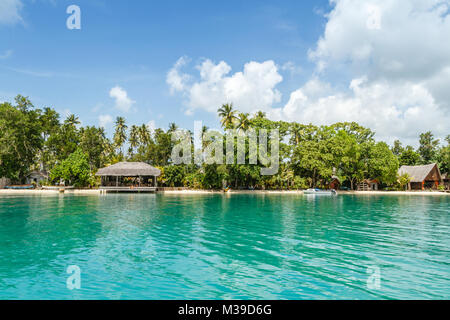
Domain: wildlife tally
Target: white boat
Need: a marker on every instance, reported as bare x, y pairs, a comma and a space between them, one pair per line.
331, 192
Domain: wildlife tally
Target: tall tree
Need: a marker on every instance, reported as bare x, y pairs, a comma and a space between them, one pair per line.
20, 138
120, 134
134, 138
72, 120
227, 115
243, 122
428, 147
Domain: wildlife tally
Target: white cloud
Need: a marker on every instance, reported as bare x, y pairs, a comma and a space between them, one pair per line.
250, 90
10, 11
123, 102
104, 120
292, 68
176, 80
389, 40
400, 111
392, 59
151, 125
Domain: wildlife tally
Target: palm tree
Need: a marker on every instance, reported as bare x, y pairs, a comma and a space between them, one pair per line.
296, 133
172, 127
72, 120
227, 115
134, 138
260, 114
144, 134
120, 135
243, 121
204, 142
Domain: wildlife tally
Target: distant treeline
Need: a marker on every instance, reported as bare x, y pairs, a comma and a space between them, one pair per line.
37, 139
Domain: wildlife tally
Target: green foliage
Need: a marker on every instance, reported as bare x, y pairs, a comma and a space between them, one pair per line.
382, 164
120, 134
174, 175
309, 155
428, 147
74, 170
20, 138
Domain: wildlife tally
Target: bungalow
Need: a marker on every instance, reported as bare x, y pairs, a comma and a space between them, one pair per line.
368, 185
446, 180
129, 177
422, 177
335, 183
36, 177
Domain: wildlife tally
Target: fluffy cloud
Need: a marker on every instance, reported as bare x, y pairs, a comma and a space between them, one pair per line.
390, 65
388, 40
175, 79
123, 102
104, 120
252, 89
399, 111
10, 11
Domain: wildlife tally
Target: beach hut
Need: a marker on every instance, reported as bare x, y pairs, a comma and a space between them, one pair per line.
368, 185
36, 177
129, 176
446, 180
335, 183
422, 177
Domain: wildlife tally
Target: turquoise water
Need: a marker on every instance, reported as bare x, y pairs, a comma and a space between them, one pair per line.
225, 246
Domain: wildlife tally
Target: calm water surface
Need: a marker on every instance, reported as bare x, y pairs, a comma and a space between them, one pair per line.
225, 246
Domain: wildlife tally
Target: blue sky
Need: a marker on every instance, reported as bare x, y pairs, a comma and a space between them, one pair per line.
310, 61
134, 45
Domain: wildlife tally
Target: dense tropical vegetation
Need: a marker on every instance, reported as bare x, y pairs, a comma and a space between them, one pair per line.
37, 139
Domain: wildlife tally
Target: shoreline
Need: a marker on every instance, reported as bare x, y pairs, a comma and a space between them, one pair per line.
203, 192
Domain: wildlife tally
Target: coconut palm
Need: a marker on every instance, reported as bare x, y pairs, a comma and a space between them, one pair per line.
172, 127
72, 120
260, 114
134, 138
296, 132
120, 134
144, 134
227, 115
243, 122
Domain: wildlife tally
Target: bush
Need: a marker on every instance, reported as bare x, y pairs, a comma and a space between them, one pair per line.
74, 170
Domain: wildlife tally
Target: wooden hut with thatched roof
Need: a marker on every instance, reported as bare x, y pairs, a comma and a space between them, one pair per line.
446, 179
129, 176
422, 177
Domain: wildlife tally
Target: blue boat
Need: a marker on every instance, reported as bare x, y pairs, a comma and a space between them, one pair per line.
25, 187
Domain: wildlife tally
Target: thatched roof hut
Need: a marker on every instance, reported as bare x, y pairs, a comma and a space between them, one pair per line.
129, 169
422, 175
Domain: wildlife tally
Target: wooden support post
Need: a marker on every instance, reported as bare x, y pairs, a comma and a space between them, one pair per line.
117, 181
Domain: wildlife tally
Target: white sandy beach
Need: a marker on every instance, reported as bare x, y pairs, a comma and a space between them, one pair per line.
198, 192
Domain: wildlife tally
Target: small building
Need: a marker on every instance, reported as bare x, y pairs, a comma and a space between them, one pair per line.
335, 183
422, 177
446, 180
129, 176
36, 177
368, 185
